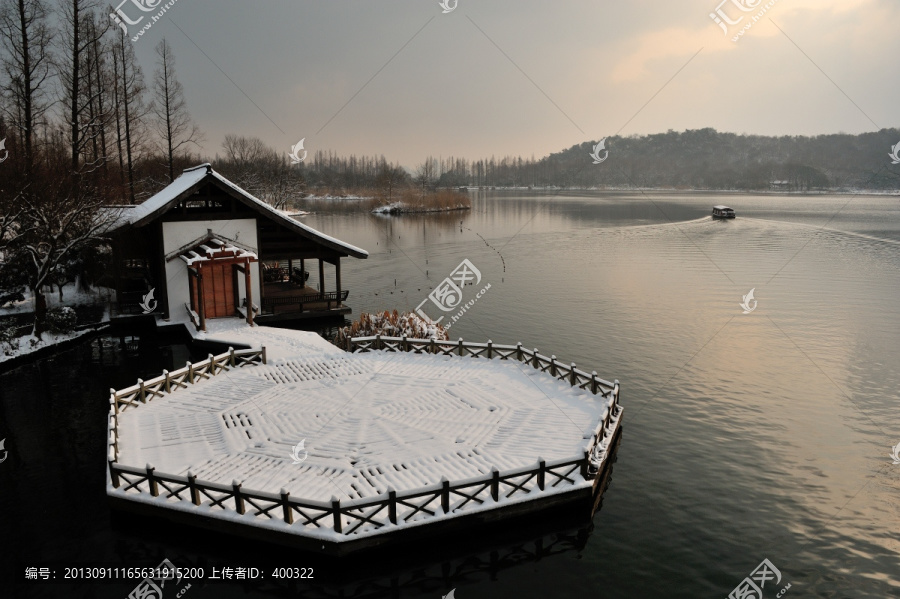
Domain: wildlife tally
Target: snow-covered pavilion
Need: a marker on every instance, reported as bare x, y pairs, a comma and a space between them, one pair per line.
208, 248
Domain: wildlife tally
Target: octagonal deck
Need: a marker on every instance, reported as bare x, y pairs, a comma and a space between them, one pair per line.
377, 426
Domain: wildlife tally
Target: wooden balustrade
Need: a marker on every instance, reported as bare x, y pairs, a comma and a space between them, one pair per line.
388, 509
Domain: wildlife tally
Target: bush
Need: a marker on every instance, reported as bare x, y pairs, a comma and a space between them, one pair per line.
390, 324
61, 320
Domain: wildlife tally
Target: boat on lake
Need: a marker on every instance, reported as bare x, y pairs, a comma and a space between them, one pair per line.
722, 212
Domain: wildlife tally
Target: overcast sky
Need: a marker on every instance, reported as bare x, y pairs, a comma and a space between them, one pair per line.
525, 77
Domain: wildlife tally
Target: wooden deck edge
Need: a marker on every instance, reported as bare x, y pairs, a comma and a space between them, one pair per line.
580, 499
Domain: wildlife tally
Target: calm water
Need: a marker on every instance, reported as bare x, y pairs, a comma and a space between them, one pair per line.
747, 436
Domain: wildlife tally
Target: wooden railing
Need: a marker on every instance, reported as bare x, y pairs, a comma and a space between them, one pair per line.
169, 382
363, 516
296, 302
569, 373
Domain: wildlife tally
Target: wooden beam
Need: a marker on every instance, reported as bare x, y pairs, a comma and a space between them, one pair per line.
321, 276
249, 287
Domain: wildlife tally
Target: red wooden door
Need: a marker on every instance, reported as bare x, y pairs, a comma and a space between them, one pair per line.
218, 290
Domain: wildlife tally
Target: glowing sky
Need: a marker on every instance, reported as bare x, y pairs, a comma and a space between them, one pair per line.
525, 77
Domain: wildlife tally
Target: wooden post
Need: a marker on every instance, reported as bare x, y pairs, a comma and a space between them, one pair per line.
231, 356
433, 346
495, 484
302, 274
535, 361
286, 505
584, 465
404, 345
190, 373
113, 400
154, 486
594, 383
248, 285
168, 381
201, 307
337, 279
553, 365
113, 475
378, 341
238, 498
192, 485
572, 378
490, 349
264, 354
321, 277
542, 473
519, 351
143, 393
445, 494
392, 505
461, 346
336, 512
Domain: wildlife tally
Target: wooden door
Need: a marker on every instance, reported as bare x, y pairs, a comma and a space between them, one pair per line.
218, 290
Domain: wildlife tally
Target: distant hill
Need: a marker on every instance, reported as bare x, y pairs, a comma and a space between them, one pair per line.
702, 159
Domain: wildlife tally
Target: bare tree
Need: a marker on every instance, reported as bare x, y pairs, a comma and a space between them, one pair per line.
130, 110
25, 39
79, 35
173, 121
389, 178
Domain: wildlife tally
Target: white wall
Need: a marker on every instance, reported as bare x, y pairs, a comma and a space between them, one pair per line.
179, 234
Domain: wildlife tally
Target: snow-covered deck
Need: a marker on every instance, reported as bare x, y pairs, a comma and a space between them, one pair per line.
425, 436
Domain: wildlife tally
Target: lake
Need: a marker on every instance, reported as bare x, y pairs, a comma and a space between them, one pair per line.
747, 436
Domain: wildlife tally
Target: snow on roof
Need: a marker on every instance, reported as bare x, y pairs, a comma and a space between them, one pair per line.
370, 421
194, 176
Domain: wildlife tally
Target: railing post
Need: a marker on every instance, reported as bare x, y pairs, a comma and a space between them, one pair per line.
286, 506
168, 381
192, 485
143, 393
114, 400
495, 484
190, 373
572, 378
534, 361
404, 345
519, 351
585, 465
378, 341
542, 473
594, 383
154, 486
615, 395
461, 352
392, 505
336, 513
231, 357
211, 369
553, 366
490, 349
264, 354
445, 494
238, 498
433, 346
113, 475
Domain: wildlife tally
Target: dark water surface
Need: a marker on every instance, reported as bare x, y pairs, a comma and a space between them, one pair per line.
747, 436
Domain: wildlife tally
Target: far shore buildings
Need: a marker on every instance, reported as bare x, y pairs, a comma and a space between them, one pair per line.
208, 249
